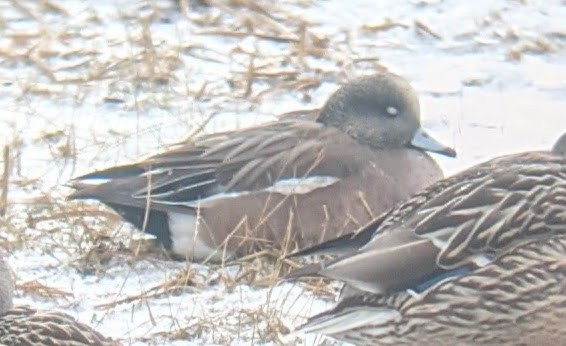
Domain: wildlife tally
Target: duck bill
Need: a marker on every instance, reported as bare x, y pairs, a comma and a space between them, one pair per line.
422, 140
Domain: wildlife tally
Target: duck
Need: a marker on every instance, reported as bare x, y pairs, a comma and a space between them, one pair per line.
283, 185
478, 258
27, 326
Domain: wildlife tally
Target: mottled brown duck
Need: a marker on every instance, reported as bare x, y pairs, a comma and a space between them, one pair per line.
475, 259
26, 326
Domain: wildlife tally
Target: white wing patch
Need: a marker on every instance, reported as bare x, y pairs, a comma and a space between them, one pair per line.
301, 185
292, 186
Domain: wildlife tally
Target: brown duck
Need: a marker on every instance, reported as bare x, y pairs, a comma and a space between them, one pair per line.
293, 183
475, 259
26, 326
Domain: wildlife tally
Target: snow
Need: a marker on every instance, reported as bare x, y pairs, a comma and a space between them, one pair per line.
95, 83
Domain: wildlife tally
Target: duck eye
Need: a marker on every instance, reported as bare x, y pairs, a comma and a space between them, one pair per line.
392, 111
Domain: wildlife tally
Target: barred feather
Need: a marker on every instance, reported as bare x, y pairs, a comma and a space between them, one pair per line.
487, 249
25, 326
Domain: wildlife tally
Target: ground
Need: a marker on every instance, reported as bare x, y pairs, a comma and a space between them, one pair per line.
88, 84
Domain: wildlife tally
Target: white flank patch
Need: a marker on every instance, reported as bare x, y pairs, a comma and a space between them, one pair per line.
186, 241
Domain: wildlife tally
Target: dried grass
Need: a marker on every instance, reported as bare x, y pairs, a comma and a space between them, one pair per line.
67, 66
69, 58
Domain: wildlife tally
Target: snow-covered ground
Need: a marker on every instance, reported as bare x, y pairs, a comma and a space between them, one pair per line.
87, 84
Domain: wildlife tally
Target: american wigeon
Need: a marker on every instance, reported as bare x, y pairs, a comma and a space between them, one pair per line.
287, 183
26, 326
475, 259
